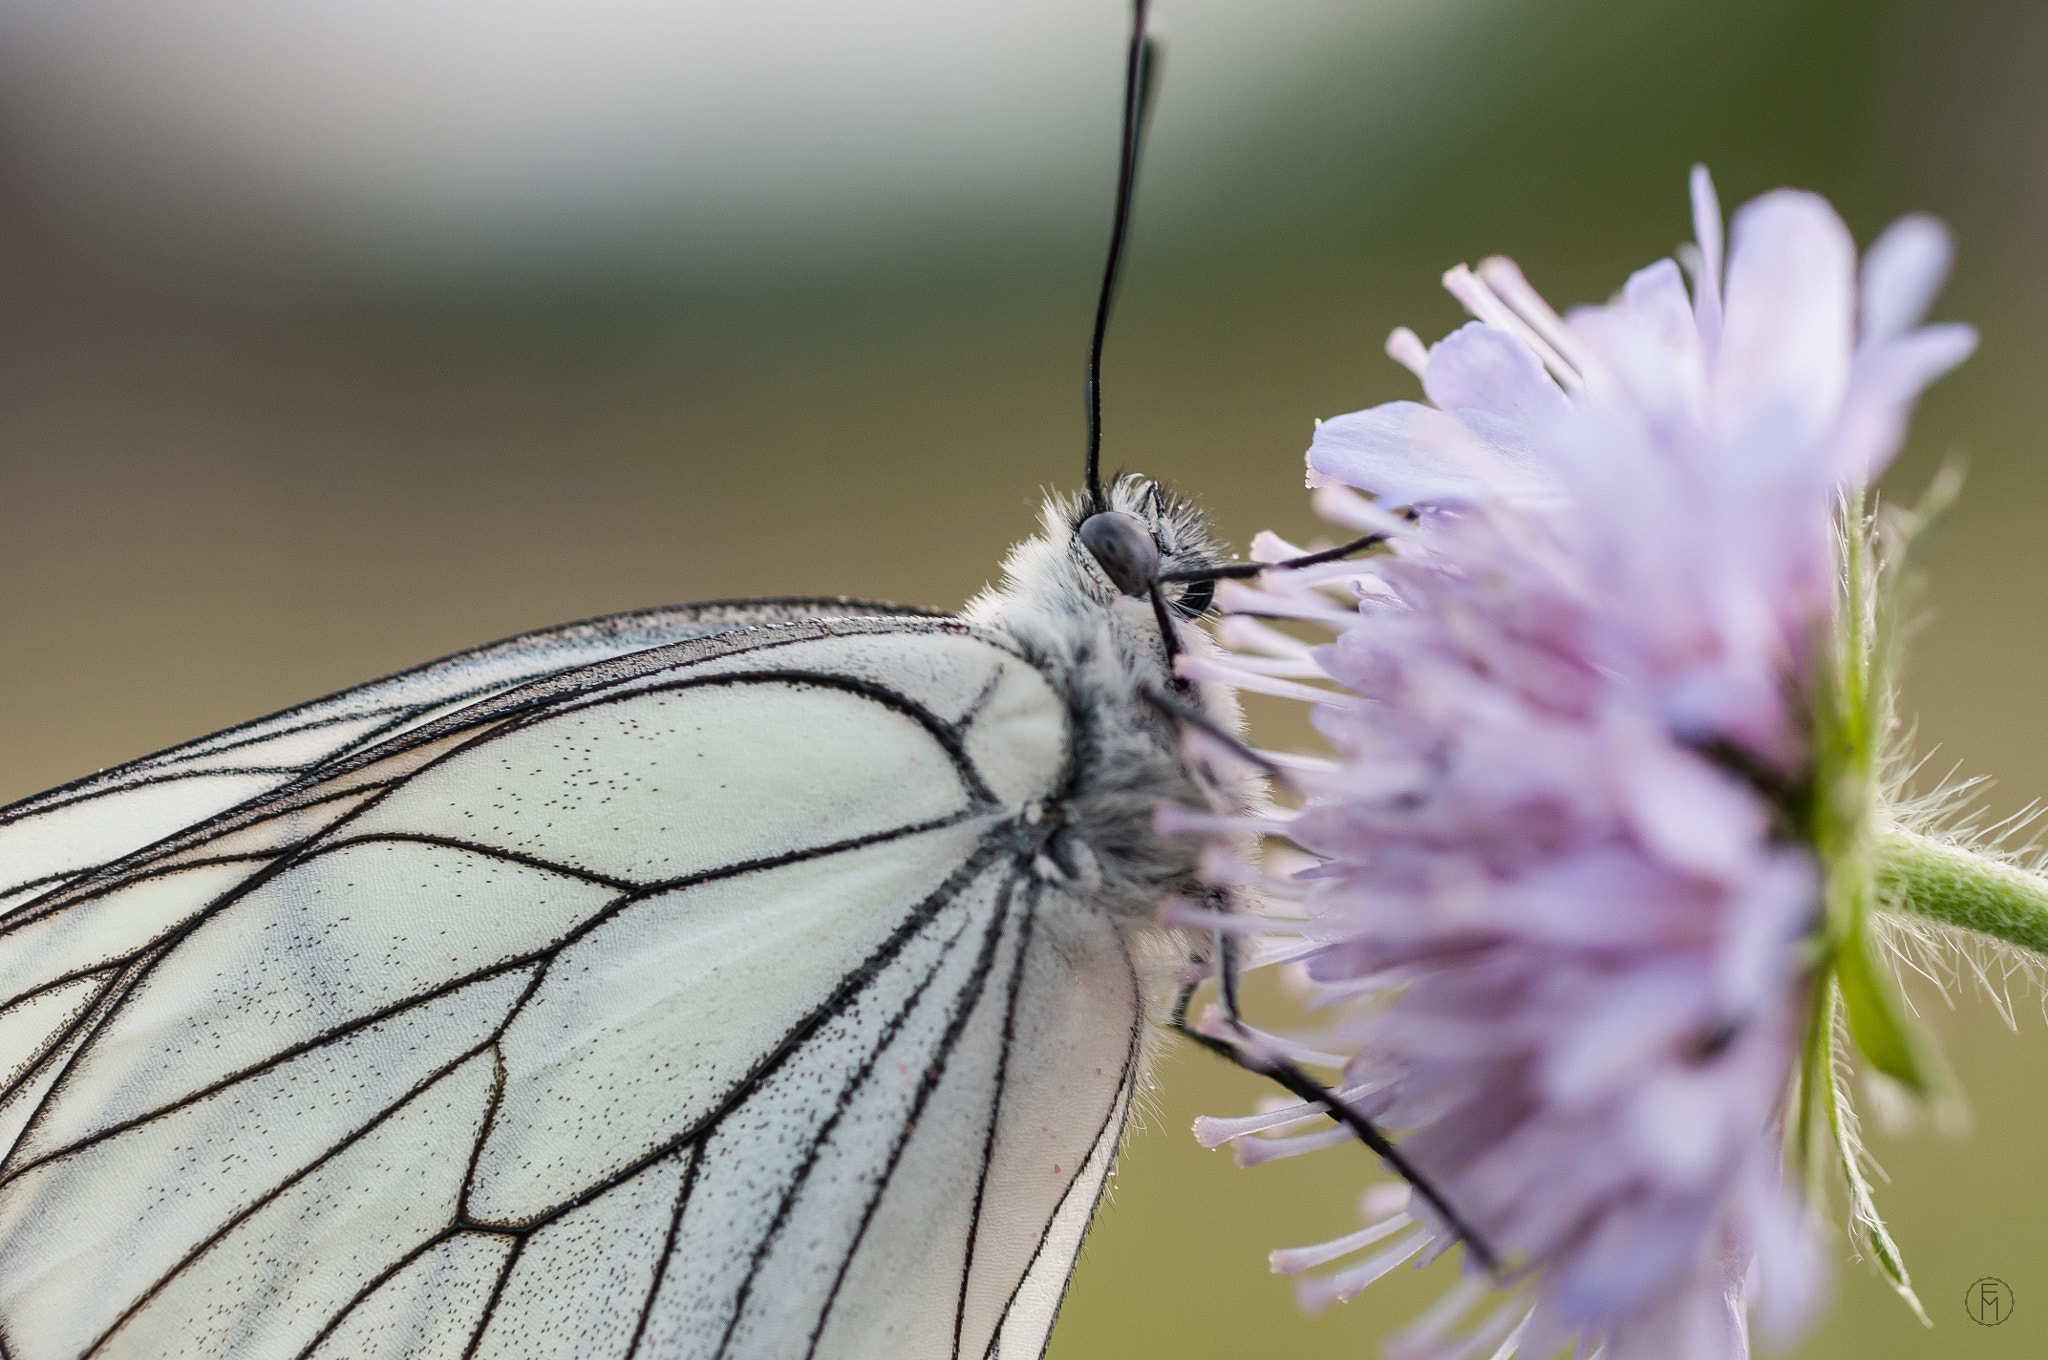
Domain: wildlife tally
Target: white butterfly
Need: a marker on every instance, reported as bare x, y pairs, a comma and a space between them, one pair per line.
735, 980
754, 979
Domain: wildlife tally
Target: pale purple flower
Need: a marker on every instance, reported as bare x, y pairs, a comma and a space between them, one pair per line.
1559, 894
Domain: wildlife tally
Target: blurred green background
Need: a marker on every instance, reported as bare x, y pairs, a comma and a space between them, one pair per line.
335, 339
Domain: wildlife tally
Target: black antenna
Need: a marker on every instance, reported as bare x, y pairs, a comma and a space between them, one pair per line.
1140, 80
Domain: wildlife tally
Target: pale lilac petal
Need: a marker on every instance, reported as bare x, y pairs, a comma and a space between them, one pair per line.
1656, 295
1650, 344
1789, 1280
1902, 271
1676, 1119
1638, 1248
1479, 368
1705, 1324
1689, 813
1406, 453
1883, 383
1596, 898
1784, 357
1425, 1336
1772, 908
1604, 1053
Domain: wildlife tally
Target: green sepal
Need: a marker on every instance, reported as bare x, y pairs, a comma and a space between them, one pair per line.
1876, 1016
1827, 1134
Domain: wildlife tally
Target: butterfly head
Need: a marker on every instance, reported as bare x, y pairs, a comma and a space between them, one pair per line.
1107, 562
1139, 534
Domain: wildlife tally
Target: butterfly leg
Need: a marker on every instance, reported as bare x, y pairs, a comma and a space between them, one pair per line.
1244, 571
1194, 717
1291, 1078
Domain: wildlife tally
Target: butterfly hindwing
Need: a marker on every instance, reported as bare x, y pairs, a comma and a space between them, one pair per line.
704, 1001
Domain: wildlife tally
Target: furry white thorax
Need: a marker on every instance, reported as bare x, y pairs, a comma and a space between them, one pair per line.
1103, 652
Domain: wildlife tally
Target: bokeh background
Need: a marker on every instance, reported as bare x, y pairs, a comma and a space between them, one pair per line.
335, 338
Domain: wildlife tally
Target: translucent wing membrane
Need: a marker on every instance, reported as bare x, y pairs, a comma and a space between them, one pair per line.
50, 838
697, 1002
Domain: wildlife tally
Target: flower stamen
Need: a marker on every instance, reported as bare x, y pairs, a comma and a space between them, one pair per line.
1295, 1260
1489, 307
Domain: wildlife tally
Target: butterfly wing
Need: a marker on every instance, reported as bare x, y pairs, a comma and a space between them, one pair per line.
50, 838
699, 1002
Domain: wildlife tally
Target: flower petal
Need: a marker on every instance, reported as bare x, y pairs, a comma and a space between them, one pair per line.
1479, 368
1650, 343
1903, 270
1406, 453
1688, 812
1784, 355
1882, 386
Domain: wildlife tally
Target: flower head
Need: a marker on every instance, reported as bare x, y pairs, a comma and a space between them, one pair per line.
1566, 884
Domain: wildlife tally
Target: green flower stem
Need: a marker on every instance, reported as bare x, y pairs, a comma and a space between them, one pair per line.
1923, 876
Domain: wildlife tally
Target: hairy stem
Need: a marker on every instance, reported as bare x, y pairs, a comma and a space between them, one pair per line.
1922, 876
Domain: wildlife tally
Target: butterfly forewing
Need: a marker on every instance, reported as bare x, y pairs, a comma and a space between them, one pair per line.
89, 822
708, 1000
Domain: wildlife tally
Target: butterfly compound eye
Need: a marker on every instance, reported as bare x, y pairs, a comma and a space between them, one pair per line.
1123, 547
